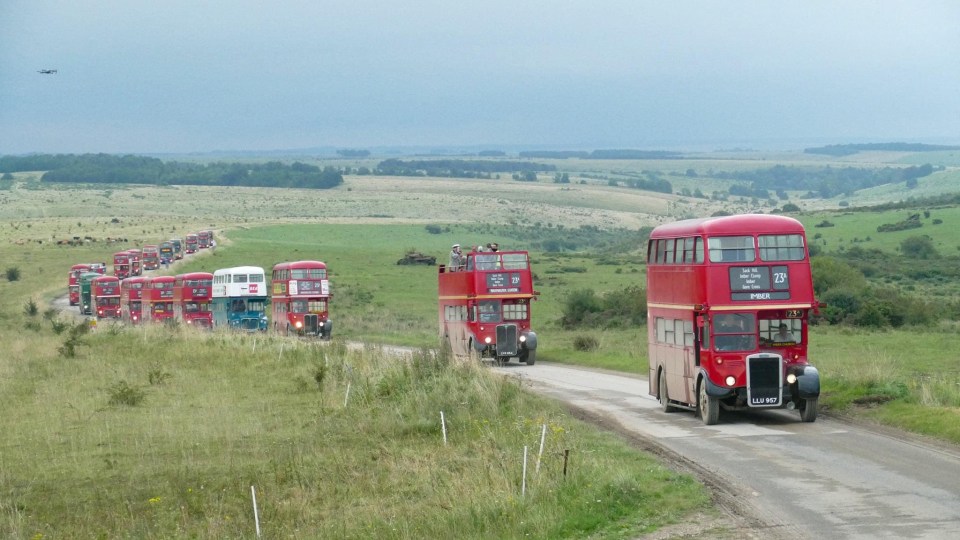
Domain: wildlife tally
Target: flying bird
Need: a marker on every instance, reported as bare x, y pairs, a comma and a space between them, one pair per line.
47, 71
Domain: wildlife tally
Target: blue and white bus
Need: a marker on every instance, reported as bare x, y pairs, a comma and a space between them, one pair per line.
240, 297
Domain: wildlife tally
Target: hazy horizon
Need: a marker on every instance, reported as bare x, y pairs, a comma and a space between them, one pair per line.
245, 76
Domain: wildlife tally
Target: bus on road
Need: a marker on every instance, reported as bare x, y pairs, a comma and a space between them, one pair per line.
177, 248
105, 297
204, 239
157, 299
191, 244
73, 279
151, 257
136, 261
191, 298
131, 298
121, 264
728, 303
300, 299
166, 253
485, 306
85, 283
240, 298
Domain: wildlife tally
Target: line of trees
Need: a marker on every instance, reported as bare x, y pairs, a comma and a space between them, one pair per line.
824, 182
850, 149
458, 168
133, 169
600, 154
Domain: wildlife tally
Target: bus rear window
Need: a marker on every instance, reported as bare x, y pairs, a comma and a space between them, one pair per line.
781, 247
731, 249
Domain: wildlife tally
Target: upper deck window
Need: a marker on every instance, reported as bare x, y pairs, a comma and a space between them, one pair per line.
781, 247
309, 273
514, 261
731, 249
487, 262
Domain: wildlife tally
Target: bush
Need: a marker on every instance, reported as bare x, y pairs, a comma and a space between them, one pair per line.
585, 343
30, 309
123, 393
13, 274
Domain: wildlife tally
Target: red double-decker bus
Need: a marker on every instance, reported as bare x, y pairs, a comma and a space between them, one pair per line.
73, 279
485, 306
157, 299
136, 261
300, 296
121, 264
191, 244
131, 298
151, 257
192, 295
728, 302
204, 239
105, 297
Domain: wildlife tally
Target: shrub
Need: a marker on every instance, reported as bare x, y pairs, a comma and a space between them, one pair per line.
13, 274
157, 376
123, 393
30, 309
585, 343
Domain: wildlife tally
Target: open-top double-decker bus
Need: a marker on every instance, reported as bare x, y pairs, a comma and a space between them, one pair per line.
151, 257
300, 299
105, 297
191, 244
728, 303
73, 279
485, 306
240, 298
191, 298
157, 299
85, 284
131, 298
136, 261
121, 264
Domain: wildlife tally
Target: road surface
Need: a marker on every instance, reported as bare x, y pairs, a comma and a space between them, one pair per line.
776, 476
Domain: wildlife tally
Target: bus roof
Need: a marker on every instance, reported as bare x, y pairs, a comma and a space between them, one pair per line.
239, 270
296, 265
724, 225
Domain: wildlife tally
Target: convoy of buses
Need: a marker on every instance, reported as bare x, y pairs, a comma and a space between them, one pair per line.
729, 300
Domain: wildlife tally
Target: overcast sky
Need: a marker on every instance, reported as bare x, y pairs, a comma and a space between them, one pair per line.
194, 76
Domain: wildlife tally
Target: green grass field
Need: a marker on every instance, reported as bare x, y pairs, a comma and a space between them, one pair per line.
160, 432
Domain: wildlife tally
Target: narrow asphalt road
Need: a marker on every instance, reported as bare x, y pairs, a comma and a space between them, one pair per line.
779, 477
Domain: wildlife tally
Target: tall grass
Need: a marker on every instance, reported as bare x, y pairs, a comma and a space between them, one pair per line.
338, 443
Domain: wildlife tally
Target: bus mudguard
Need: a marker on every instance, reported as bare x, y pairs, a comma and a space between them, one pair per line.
808, 382
531, 341
715, 390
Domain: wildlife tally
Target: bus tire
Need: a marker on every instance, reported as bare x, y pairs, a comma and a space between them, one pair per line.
665, 405
473, 355
707, 405
808, 410
529, 357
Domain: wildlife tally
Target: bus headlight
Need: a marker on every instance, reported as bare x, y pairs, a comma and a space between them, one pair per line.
487, 340
730, 380
523, 338
791, 378
299, 325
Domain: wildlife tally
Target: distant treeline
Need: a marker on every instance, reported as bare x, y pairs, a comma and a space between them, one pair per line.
601, 154
822, 182
131, 169
458, 168
850, 149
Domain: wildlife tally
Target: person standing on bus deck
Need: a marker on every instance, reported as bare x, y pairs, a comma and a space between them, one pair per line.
784, 335
456, 257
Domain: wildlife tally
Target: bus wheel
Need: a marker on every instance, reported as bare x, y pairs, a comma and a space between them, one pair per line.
662, 393
528, 357
473, 355
808, 410
709, 406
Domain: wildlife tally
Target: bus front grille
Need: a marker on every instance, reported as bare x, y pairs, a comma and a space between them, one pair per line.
764, 380
507, 340
310, 324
